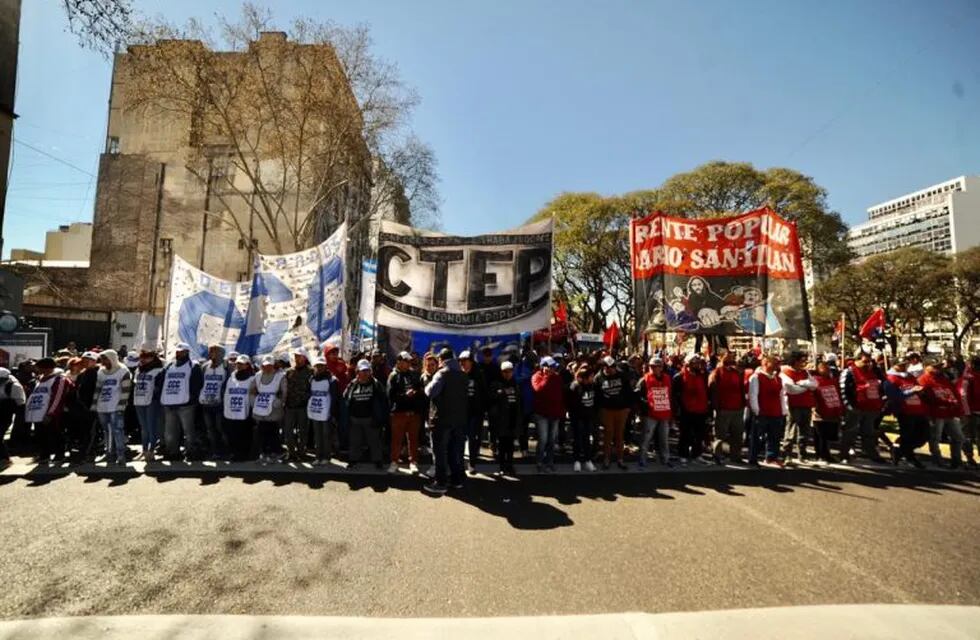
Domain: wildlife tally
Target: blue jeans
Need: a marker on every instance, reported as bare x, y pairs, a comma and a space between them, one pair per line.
447, 450
115, 434
149, 419
547, 429
179, 420
770, 429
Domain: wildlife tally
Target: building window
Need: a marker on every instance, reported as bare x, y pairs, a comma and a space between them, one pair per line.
112, 146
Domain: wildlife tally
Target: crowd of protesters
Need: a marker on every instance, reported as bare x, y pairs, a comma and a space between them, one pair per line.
593, 409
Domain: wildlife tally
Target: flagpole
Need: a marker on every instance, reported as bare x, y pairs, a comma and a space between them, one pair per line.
843, 330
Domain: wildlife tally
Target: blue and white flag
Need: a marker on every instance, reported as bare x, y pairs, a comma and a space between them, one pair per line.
367, 329
203, 310
297, 299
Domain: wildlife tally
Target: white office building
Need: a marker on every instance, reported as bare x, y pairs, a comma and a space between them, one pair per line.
944, 217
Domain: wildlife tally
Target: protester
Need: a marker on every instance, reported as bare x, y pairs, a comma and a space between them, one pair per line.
505, 413
690, 395
366, 414
799, 387
45, 408
112, 388
406, 398
654, 388
447, 392
904, 396
295, 421
268, 393
726, 391
475, 407
237, 408
767, 401
321, 409
584, 416
84, 420
862, 395
614, 397
182, 383
549, 408
12, 396
970, 394
214, 374
944, 409
828, 410
147, 387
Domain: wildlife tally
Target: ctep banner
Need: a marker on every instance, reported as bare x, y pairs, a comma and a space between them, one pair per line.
739, 275
492, 284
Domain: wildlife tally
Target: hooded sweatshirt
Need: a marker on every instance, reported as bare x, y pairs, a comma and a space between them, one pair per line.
112, 385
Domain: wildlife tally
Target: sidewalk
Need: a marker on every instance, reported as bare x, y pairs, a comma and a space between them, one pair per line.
831, 622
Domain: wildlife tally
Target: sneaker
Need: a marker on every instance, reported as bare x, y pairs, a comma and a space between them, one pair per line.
589, 466
469, 468
121, 461
683, 462
621, 466
456, 485
352, 466
393, 467
717, 460
577, 467
435, 488
413, 468
894, 453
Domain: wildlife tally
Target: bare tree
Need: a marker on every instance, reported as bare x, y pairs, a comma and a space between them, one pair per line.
288, 127
100, 24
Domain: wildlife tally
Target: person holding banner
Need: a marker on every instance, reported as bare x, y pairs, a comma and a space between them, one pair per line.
182, 383
268, 393
147, 385
828, 410
236, 405
215, 375
726, 390
321, 409
655, 388
862, 395
690, 392
112, 388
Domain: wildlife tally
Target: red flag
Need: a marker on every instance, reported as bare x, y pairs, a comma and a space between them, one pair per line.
611, 335
838, 331
874, 326
561, 314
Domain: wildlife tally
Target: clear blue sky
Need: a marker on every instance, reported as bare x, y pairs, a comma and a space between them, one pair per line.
522, 100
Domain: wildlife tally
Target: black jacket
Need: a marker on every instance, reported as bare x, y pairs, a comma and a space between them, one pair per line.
399, 383
504, 407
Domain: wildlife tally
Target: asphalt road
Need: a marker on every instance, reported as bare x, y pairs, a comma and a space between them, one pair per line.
304, 544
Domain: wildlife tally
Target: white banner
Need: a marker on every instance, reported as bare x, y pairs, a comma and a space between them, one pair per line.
297, 298
203, 310
476, 285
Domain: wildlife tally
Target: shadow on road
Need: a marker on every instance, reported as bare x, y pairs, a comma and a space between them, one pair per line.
521, 503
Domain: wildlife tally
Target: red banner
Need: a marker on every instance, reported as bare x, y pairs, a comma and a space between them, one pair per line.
737, 275
758, 242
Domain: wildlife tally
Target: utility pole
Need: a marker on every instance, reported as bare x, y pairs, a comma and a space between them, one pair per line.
207, 210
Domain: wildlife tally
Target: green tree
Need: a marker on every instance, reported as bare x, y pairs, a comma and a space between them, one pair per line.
960, 287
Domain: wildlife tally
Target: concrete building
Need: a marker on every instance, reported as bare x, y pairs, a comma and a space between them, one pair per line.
68, 243
151, 203
944, 218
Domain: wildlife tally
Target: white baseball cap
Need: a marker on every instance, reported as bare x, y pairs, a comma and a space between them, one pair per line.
691, 357
465, 355
267, 359
319, 360
506, 365
609, 361
363, 365
182, 346
243, 359
4, 373
301, 351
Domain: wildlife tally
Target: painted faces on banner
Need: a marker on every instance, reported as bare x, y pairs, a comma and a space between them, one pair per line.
479, 285
740, 275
